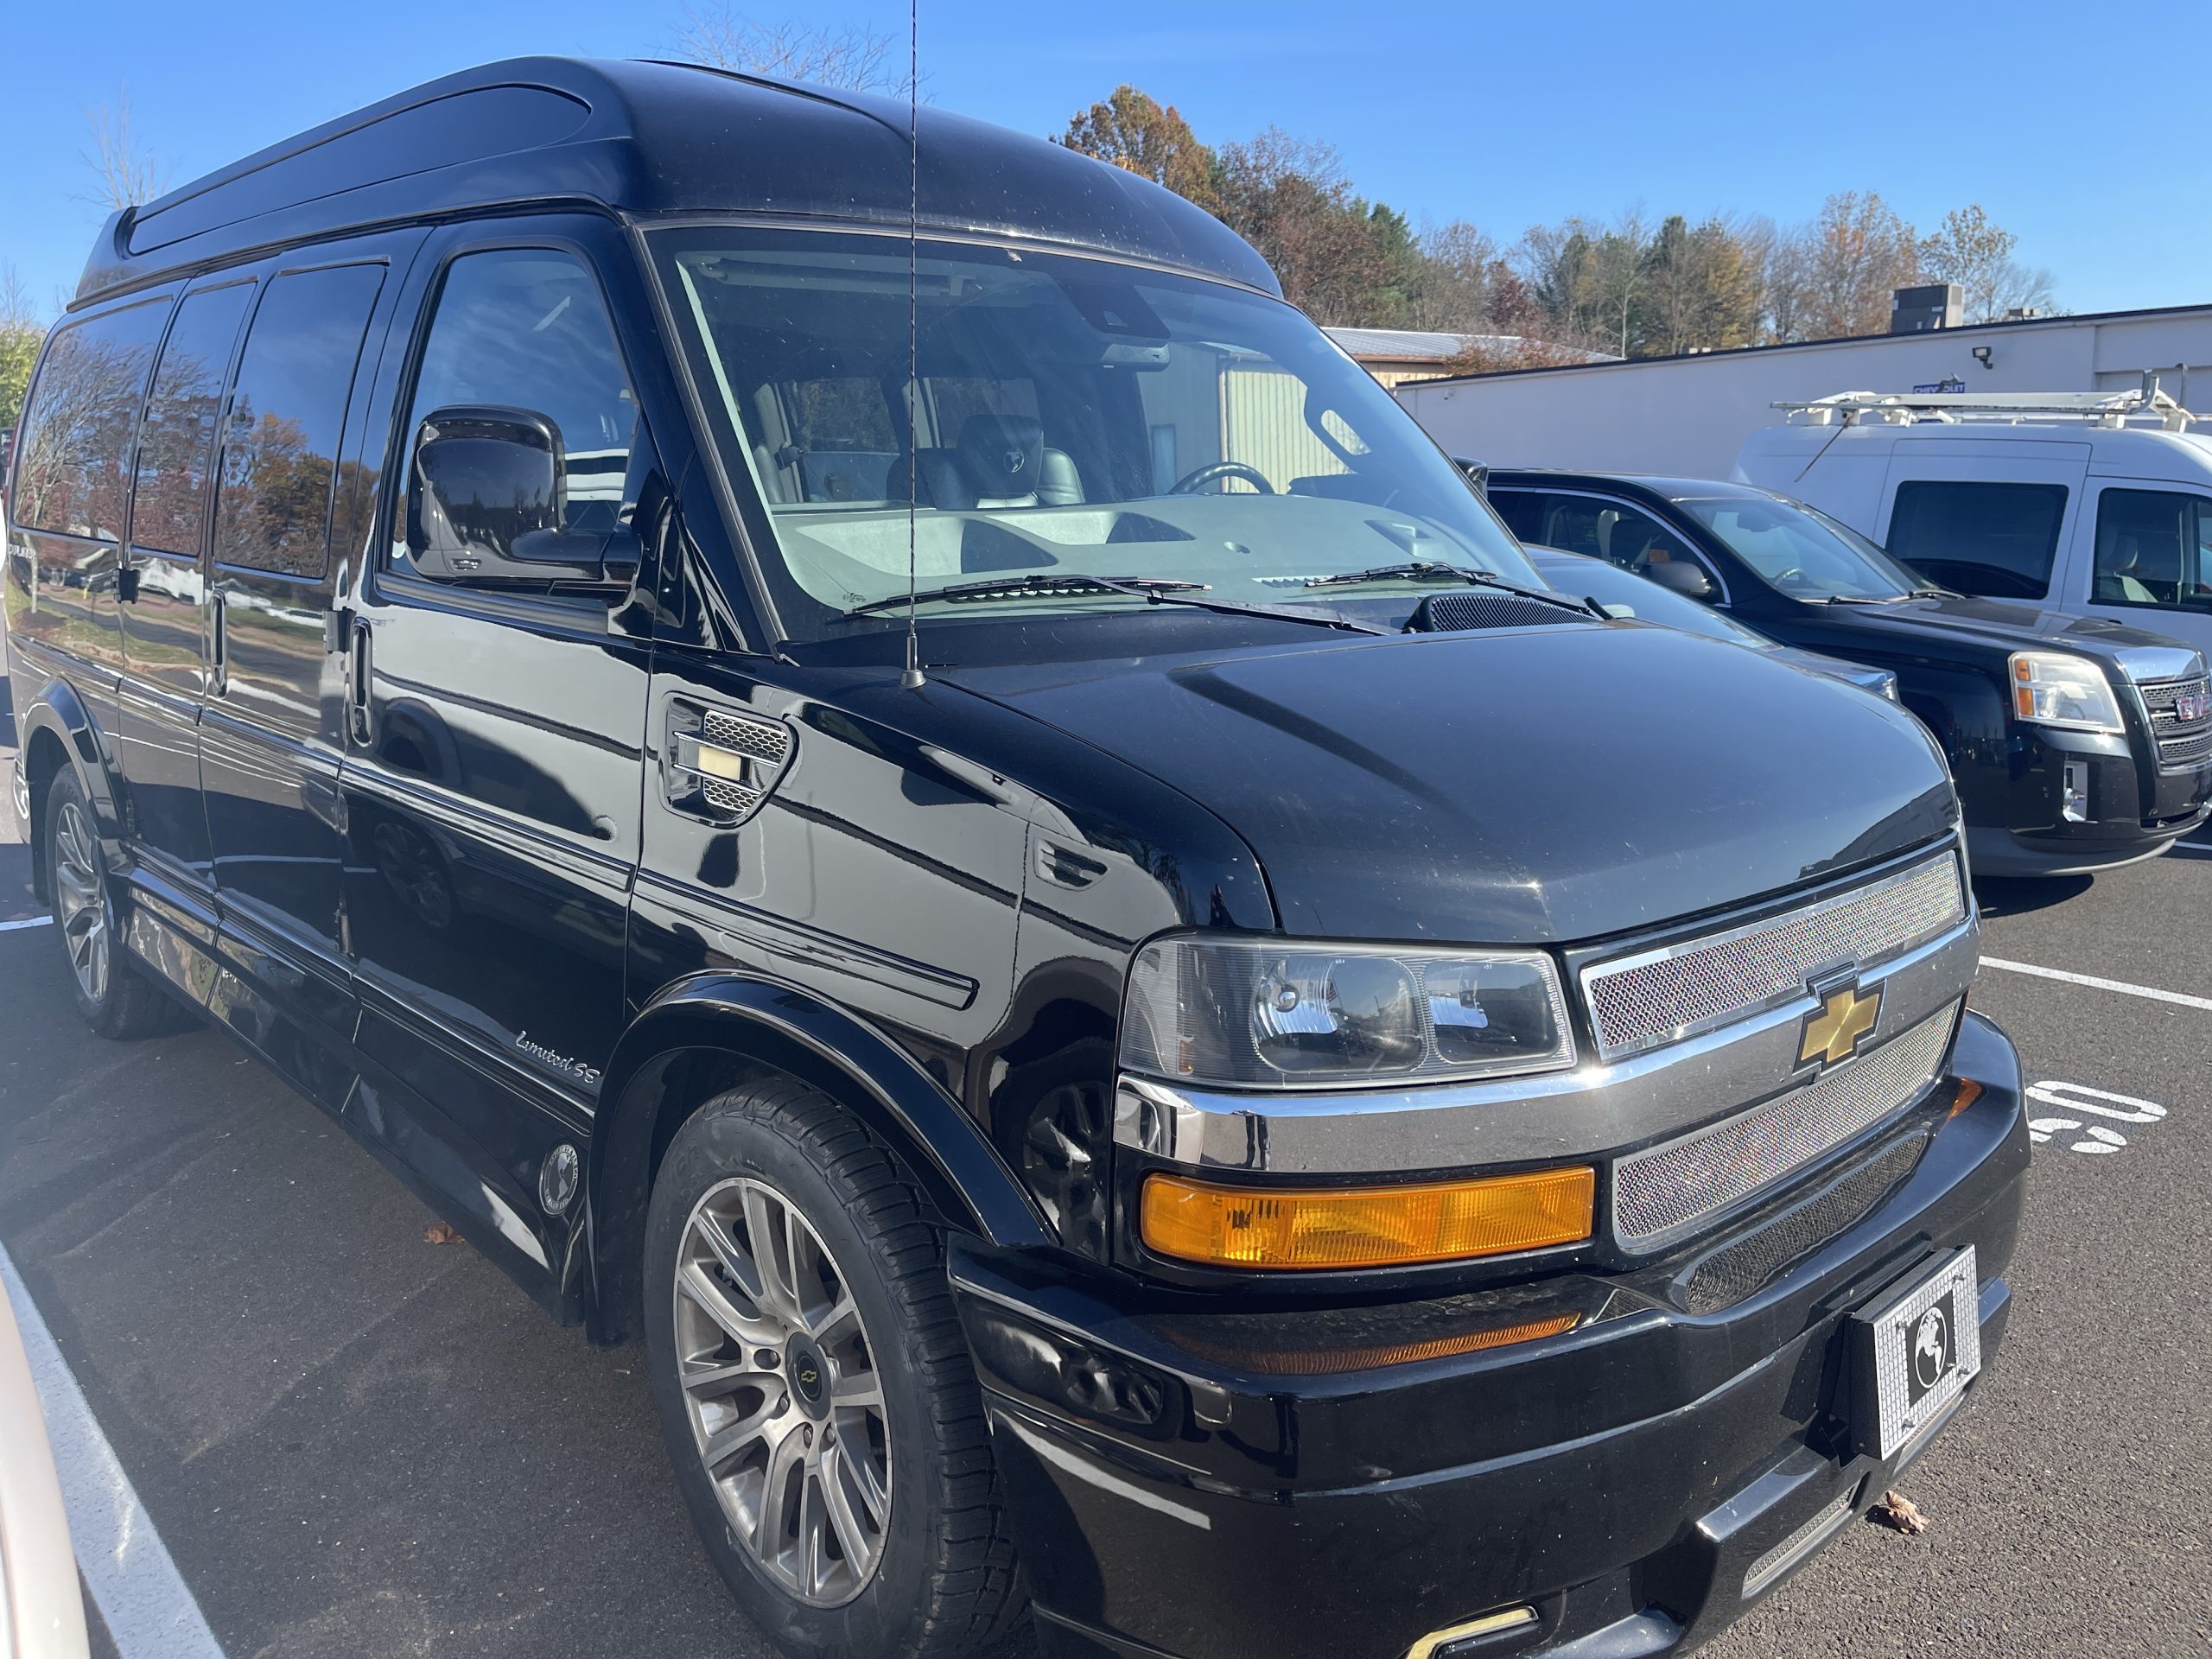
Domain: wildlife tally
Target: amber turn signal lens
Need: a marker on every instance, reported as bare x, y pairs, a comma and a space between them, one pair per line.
1365, 1226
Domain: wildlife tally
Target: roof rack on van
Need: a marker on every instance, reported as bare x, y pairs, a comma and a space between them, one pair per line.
2112, 409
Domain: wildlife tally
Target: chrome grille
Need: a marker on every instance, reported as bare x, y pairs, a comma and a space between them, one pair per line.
763, 739
1640, 1001
2183, 744
1666, 1190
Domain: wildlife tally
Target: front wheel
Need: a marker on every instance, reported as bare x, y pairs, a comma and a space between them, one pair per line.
814, 1387
113, 992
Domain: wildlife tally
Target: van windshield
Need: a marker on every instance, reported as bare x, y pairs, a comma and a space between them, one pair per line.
1802, 553
1054, 416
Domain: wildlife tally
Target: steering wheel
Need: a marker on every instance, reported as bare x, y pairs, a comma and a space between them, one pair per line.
1192, 479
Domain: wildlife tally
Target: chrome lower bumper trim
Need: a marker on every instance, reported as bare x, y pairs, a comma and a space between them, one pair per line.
1595, 1110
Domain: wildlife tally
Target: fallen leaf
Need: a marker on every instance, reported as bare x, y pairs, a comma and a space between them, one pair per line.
442, 1234
1900, 1512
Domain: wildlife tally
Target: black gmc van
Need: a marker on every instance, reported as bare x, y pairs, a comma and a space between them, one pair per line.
1279, 1088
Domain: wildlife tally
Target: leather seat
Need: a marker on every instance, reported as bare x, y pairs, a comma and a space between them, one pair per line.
999, 460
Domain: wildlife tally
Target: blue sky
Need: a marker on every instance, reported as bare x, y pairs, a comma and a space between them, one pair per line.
2054, 117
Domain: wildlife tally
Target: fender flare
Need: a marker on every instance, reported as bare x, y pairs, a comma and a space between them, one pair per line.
790, 1030
58, 712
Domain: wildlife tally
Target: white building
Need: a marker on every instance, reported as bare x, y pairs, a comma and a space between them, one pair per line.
1396, 355
1689, 415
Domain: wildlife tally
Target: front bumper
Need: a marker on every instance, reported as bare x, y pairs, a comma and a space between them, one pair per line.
1189, 1480
2132, 811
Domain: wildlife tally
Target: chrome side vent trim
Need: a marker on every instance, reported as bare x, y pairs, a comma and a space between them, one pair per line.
721, 765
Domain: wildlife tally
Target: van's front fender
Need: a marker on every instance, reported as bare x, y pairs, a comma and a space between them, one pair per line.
710, 1031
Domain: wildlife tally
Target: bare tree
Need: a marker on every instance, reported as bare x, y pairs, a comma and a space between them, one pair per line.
851, 57
128, 174
1971, 250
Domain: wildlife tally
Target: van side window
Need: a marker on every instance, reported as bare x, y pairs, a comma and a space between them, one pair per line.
2151, 549
288, 412
72, 457
1997, 540
525, 328
176, 444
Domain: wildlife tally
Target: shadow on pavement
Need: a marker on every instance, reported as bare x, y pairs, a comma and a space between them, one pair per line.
2008, 896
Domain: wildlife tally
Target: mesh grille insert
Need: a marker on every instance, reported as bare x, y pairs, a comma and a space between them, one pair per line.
757, 738
1741, 1267
1666, 1189
1641, 1002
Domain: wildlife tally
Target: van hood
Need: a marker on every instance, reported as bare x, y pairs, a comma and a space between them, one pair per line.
1547, 787
2143, 655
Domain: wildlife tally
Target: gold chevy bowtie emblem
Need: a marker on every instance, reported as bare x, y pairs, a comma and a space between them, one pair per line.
1832, 1030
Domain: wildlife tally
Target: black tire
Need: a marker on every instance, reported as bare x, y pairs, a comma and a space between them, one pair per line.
121, 999
945, 1581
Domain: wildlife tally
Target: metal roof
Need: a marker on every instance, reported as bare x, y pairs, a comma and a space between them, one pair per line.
656, 139
1419, 345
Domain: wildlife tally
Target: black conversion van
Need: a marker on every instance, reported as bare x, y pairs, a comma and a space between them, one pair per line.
1281, 1088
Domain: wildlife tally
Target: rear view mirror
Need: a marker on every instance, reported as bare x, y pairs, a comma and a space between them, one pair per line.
1682, 577
485, 498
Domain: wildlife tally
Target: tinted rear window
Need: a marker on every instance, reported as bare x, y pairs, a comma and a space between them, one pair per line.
177, 444
1996, 540
73, 452
288, 412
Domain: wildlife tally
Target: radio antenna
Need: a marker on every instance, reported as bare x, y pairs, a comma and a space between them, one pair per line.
910, 677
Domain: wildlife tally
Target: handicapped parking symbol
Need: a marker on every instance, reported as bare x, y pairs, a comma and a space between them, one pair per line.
2099, 1102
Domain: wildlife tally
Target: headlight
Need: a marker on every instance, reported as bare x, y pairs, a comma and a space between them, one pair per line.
2050, 688
1287, 1015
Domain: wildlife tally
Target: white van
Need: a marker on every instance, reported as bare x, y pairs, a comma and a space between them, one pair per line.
2088, 503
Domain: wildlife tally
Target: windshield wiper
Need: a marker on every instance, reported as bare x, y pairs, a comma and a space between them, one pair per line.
1158, 590
1439, 570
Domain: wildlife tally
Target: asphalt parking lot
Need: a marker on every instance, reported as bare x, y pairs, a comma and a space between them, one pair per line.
355, 1441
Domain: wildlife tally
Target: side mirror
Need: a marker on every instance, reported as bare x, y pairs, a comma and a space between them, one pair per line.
1477, 473
1681, 577
486, 494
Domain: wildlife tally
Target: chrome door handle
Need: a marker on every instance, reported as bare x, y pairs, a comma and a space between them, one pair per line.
219, 629
361, 679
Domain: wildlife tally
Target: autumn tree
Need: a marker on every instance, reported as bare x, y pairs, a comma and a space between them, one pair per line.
1836, 276
1344, 260
1703, 288
1136, 132
1968, 248
21, 331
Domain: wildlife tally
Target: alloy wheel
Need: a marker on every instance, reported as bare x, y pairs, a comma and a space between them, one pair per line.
81, 898
780, 1382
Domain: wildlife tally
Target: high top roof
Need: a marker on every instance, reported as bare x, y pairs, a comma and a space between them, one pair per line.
658, 138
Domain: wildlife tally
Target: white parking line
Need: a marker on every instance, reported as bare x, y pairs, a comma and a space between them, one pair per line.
2201, 846
2120, 985
141, 1596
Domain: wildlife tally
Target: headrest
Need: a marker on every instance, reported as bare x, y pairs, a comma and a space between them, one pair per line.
1001, 454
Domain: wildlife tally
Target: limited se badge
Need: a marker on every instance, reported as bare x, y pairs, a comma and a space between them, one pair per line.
1831, 1032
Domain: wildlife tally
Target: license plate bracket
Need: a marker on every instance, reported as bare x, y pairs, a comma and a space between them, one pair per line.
1915, 1353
